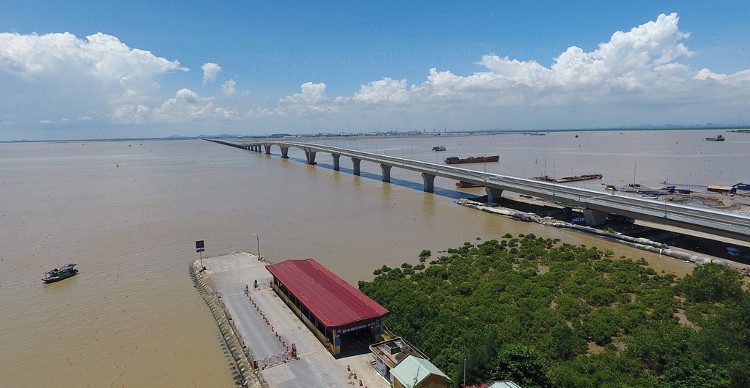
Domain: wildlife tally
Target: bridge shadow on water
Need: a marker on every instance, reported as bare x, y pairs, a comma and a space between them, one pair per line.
454, 194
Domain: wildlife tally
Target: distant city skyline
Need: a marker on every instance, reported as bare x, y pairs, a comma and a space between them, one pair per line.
138, 69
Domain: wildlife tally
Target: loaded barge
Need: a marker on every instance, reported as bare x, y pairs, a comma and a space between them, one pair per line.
467, 185
577, 178
472, 159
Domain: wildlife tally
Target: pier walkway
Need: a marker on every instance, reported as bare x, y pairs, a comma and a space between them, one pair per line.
314, 365
597, 204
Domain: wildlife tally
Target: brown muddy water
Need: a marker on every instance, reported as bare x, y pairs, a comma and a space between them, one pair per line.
132, 316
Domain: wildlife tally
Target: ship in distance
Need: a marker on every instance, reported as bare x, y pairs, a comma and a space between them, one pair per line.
472, 159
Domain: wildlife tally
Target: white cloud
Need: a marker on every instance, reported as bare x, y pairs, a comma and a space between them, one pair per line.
636, 76
59, 75
100, 55
383, 90
632, 78
210, 71
229, 87
312, 98
188, 106
128, 113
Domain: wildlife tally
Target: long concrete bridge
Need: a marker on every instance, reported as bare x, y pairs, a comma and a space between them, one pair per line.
597, 205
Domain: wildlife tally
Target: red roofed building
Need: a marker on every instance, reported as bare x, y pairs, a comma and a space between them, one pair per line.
341, 316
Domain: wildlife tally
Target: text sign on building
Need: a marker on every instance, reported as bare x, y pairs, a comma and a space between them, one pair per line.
358, 327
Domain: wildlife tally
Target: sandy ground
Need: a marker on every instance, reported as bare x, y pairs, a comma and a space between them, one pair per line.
316, 367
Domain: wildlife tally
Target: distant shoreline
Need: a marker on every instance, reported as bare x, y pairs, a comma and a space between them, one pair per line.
729, 128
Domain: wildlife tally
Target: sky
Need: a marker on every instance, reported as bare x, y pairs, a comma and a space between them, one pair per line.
79, 69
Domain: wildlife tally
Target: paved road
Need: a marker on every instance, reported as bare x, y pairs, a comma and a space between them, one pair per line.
315, 366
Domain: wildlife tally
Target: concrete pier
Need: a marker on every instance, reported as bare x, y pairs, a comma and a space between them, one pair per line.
310, 155
336, 162
429, 182
268, 327
268, 148
386, 172
595, 217
285, 152
355, 165
493, 195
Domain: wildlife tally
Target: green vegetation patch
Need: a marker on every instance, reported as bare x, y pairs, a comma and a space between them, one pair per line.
543, 313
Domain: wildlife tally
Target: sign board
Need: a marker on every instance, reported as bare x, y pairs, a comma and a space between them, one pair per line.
358, 327
199, 246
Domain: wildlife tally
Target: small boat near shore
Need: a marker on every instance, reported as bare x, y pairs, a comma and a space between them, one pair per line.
577, 178
467, 185
57, 274
472, 159
438, 148
717, 138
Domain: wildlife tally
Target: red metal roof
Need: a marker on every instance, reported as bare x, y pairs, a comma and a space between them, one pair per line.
332, 300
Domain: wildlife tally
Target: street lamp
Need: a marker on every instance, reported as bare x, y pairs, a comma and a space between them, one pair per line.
257, 240
464, 372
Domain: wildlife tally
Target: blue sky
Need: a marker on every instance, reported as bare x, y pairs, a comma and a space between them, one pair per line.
271, 49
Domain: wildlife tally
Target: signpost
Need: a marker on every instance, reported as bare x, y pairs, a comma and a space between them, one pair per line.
200, 248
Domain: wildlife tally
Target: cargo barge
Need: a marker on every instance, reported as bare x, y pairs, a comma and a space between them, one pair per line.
472, 159
717, 138
577, 178
467, 185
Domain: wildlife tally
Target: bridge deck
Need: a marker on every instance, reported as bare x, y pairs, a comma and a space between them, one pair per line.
700, 219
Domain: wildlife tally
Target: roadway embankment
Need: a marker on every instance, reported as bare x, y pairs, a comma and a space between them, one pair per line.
244, 374
639, 243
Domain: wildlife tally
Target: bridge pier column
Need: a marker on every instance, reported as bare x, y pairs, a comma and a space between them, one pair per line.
256, 147
310, 155
268, 148
567, 213
595, 217
494, 195
386, 172
429, 182
355, 165
285, 152
336, 162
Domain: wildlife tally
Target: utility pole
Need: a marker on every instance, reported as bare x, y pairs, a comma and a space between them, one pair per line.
257, 241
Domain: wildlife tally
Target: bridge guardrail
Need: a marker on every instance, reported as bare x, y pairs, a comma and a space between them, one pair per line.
586, 197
